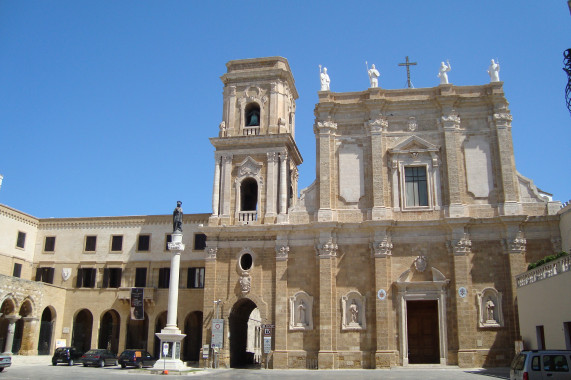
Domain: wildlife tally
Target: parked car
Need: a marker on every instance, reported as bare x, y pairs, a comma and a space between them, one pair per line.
5, 361
136, 358
99, 358
541, 365
68, 355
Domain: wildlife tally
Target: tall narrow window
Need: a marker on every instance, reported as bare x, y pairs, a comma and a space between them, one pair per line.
199, 242
249, 195
21, 240
415, 183
195, 278
17, 270
116, 243
50, 244
111, 278
144, 243
164, 278
540, 335
86, 277
140, 277
90, 243
45, 274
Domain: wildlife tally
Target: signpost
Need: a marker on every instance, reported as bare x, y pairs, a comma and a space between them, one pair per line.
165, 353
217, 333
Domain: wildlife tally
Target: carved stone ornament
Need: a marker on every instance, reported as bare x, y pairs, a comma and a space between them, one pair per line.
211, 253
249, 167
282, 252
327, 250
66, 273
223, 129
245, 284
412, 124
515, 245
382, 248
504, 116
326, 125
460, 246
451, 120
421, 263
378, 125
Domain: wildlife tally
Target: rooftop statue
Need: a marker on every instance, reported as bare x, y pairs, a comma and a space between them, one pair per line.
444, 68
177, 218
324, 79
494, 71
373, 75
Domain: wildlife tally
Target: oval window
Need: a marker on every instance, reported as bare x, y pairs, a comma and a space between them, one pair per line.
246, 261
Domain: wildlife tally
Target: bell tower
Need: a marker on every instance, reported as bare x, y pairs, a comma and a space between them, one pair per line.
256, 157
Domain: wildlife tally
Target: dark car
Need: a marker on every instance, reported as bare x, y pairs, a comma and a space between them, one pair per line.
67, 355
136, 358
99, 358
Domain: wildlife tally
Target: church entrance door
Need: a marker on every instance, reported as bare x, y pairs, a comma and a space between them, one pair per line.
422, 326
238, 321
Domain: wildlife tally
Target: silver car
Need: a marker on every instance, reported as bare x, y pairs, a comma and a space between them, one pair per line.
541, 365
5, 361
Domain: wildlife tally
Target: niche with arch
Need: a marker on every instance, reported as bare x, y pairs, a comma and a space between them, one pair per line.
301, 311
353, 307
490, 308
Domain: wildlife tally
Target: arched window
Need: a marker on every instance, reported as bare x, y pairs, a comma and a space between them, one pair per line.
252, 115
249, 195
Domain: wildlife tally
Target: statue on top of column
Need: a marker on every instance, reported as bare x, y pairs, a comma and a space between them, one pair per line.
177, 218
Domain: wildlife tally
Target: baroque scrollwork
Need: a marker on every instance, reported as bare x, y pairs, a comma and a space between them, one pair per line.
328, 249
282, 252
460, 246
211, 253
382, 248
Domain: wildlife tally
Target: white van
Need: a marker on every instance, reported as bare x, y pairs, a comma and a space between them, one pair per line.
541, 365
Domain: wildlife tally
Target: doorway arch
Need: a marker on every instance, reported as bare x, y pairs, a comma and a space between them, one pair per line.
238, 321
109, 331
82, 326
137, 331
193, 338
46, 331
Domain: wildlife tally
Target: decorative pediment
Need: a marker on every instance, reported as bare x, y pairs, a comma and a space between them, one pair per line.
249, 168
414, 144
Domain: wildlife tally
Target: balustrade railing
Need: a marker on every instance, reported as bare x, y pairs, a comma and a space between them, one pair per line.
550, 269
251, 131
247, 216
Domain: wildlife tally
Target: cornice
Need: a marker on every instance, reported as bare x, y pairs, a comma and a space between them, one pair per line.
119, 221
18, 216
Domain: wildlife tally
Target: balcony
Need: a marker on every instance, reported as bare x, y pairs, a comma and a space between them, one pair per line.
547, 270
247, 217
252, 131
124, 294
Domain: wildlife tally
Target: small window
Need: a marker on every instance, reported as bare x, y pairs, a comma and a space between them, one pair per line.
555, 363
164, 278
249, 195
144, 243
90, 243
246, 261
45, 274
86, 277
168, 239
21, 241
535, 364
140, 277
195, 278
116, 243
17, 272
199, 242
111, 278
252, 115
50, 244
416, 186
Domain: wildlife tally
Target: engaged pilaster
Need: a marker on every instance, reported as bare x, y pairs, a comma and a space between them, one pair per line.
326, 139
281, 299
451, 124
375, 129
327, 256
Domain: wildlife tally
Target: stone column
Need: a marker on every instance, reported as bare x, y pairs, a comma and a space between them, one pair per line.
29, 336
233, 129
273, 114
216, 187
123, 332
226, 187
281, 309
171, 334
385, 355
283, 183
375, 129
451, 124
509, 195
325, 141
271, 190
328, 326
460, 246
12, 319
514, 246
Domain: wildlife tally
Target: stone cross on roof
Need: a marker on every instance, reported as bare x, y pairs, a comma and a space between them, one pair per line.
408, 64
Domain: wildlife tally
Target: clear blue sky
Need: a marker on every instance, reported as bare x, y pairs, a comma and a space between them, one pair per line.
106, 107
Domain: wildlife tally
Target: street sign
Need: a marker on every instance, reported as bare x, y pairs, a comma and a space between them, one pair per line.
217, 333
165, 349
268, 326
267, 332
205, 351
267, 344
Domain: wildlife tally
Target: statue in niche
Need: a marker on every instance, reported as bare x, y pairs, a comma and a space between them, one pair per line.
301, 314
254, 118
373, 76
494, 71
325, 81
490, 306
354, 310
177, 218
444, 68
223, 131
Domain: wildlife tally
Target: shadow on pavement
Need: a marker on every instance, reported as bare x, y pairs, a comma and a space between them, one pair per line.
498, 373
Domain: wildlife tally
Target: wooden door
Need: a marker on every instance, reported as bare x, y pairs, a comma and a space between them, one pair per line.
422, 325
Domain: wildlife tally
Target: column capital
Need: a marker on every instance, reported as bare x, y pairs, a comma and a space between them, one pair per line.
515, 245
376, 126
272, 156
282, 252
211, 253
327, 250
283, 156
451, 120
325, 127
460, 247
382, 248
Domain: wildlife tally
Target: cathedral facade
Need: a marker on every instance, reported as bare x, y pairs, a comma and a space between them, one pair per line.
402, 251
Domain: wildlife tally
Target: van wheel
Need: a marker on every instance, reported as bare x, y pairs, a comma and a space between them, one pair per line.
102, 363
71, 362
54, 363
123, 365
85, 364
140, 365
